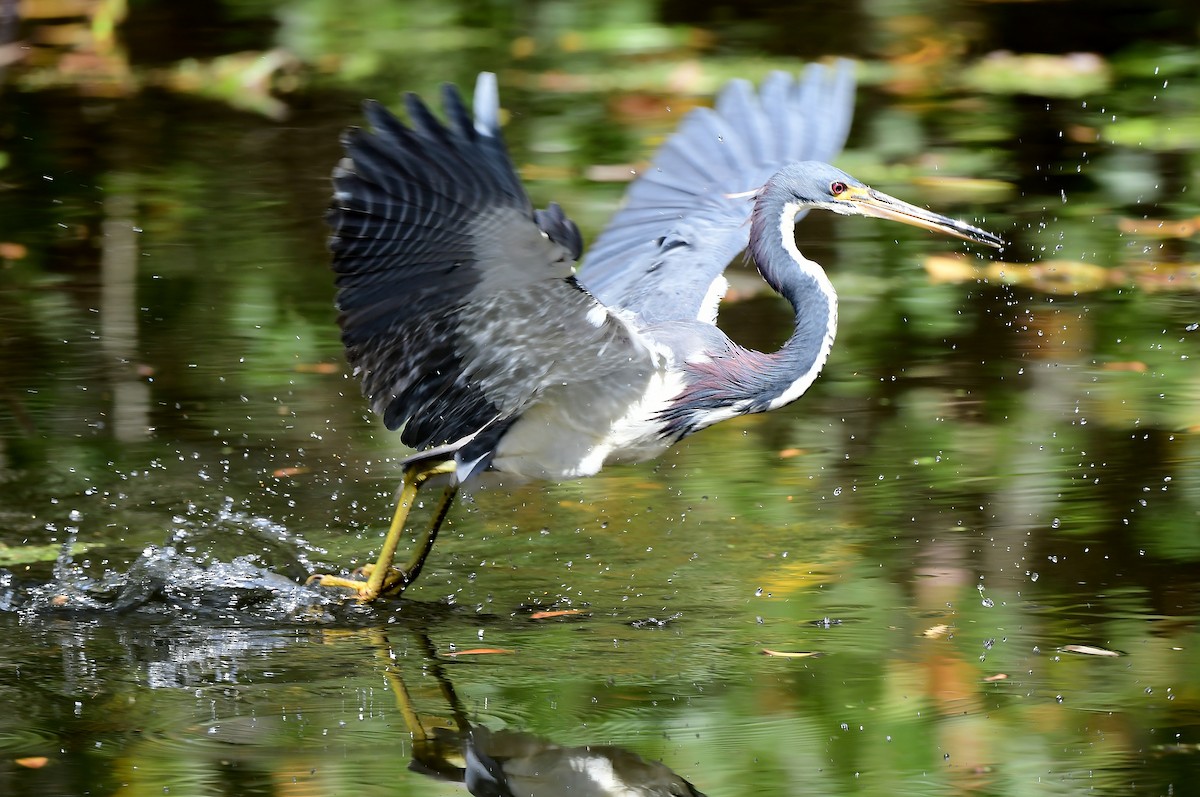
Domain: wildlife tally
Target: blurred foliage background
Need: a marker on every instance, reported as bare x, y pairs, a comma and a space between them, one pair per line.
1000, 461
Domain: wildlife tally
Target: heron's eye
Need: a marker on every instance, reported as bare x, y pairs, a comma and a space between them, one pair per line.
837, 188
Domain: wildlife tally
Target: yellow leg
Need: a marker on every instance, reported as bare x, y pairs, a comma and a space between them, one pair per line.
394, 579
436, 746
383, 578
404, 701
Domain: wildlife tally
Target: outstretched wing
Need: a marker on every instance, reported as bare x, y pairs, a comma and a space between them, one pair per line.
687, 215
458, 304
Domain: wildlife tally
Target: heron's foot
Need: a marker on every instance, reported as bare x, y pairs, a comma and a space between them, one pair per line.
394, 580
361, 589
393, 583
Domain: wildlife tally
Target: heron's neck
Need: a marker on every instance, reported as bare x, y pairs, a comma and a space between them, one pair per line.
740, 381
804, 284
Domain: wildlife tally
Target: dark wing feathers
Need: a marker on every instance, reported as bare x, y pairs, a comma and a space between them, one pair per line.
457, 302
679, 227
558, 228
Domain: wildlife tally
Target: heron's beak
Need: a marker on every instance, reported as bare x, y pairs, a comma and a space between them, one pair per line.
869, 202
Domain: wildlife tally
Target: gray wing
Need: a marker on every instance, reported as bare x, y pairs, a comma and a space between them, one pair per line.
458, 304
678, 228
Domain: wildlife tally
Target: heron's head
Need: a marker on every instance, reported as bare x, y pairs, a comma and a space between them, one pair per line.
814, 184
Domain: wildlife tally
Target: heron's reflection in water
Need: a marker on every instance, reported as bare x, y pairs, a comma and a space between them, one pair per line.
510, 763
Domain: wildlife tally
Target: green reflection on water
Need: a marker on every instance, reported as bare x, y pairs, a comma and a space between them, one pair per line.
987, 471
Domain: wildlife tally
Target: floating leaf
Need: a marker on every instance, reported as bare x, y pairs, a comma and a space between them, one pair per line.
1160, 228
791, 654
479, 652
243, 80
12, 251
1182, 131
965, 189
533, 172
1070, 75
558, 613
1150, 275
1088, 650
1065, 276
952, 269
612, 172
318, 368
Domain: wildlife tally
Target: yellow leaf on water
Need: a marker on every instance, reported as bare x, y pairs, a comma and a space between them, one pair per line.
1065, 276
317, 368
522, 47
965, 189
12, 251
952, 269
1160, 228
1133, 366
479, 652
557, 613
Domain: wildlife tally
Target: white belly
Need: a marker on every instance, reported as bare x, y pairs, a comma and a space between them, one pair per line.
575, 430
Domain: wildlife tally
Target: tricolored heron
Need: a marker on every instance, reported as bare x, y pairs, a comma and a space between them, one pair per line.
464, 317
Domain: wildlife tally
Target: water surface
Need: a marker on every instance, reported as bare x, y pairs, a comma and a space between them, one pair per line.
981, 522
